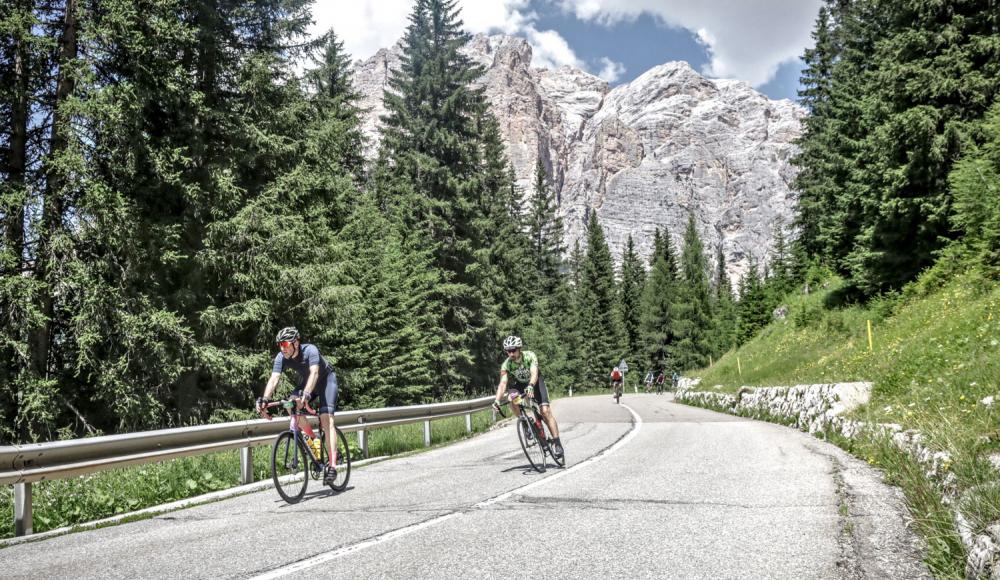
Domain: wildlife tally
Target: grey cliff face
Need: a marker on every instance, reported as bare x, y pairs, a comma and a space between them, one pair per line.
640, 156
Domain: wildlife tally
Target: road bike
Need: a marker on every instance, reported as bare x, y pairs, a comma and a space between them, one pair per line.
617, 386
531, 432
295, 458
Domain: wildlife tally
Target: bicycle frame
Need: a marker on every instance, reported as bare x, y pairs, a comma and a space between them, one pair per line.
535, 420
293, 425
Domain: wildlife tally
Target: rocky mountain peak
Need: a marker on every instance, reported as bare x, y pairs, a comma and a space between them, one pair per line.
639, 156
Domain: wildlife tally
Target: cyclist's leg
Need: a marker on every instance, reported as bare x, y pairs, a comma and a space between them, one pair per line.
302, 420
327, 406
514, 406
542, 396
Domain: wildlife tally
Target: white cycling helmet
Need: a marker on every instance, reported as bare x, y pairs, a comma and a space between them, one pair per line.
289, 333
511, 342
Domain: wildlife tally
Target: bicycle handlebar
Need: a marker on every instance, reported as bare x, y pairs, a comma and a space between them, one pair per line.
290, 405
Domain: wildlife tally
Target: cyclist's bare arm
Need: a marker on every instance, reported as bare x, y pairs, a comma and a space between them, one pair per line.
311, 381
272, 384
502, 387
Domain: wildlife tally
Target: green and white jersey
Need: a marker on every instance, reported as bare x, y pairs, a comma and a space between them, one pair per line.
519, 371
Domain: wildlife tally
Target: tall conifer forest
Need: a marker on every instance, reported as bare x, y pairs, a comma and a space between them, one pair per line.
181, 178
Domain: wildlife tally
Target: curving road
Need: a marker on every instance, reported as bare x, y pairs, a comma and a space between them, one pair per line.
652, 489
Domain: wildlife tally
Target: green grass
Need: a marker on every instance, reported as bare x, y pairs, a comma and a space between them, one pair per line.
935, 355
67, 502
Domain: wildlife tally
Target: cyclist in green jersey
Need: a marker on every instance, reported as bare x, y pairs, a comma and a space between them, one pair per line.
520, 372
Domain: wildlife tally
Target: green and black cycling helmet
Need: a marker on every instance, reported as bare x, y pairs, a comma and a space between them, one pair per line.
289, 333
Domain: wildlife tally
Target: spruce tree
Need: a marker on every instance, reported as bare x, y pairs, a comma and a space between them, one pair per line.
601, 337
893, 89
656, 324
545, 230
391, 327
428, 174
339, 134
633, 280
692, 310
975, 182
724, 308
753, 309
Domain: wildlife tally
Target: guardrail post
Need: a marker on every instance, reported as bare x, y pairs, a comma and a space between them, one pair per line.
427, 433
363, 439
468, 422
22, 509
246, 465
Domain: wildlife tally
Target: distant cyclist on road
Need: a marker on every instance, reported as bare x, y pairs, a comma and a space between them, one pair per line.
650, 377
617, 380
675, 380
660, 378
520, 372
316, 382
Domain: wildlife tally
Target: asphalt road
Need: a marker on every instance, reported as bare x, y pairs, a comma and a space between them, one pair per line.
652, 489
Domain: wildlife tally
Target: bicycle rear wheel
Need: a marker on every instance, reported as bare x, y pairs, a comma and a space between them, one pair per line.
289, 465
530, 443
343, 464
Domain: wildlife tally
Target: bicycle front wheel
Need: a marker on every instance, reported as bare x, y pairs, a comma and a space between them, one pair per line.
289, 465
343, 464
530, 443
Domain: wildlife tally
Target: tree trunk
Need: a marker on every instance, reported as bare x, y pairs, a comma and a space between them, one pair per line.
14, 226
53, 205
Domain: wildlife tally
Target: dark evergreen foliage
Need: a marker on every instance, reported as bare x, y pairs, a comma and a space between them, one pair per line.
753, 310
691, 311
630, 290
894, 88
600, 328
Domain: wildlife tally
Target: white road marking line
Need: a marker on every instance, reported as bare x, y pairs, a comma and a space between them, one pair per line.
405, 531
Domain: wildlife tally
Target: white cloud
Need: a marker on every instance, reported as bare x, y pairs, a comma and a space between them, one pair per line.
611, 70
550, 50
746, 39
365, 26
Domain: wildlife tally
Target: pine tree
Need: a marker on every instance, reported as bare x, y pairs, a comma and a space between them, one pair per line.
893, 88
545, 229
600, 328
657, 322
657, 247
633, 280
391, 328
975, 181
753, 310
724, 308
691, 312
339, 134
428, 174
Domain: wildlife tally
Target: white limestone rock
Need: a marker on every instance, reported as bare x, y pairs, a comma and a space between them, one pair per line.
640, 156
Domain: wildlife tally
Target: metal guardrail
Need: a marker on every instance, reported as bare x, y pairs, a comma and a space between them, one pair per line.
22, 465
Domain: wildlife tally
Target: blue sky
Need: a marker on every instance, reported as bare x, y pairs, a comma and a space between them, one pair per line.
757, 41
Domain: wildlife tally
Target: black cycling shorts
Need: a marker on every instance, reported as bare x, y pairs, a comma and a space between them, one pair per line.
324, 396
541, 393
